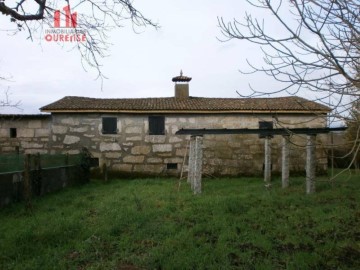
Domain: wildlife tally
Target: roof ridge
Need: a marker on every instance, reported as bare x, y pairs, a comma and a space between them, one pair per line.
192, 104
172, 97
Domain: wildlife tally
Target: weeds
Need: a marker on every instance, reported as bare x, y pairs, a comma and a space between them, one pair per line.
234, 224
137, 201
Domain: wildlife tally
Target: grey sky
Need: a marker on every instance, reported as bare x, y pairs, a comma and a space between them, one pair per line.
138, 65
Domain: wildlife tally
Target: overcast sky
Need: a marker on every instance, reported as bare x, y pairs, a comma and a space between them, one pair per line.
138, 65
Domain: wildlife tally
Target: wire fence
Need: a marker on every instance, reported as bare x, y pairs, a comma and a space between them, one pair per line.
16, 162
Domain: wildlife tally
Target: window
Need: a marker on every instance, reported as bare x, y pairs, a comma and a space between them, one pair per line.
171, 166
265, 125
94, 162
156, 125
109, 125
13, 133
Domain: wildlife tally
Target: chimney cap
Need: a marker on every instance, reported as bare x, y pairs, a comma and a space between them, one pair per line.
181, 78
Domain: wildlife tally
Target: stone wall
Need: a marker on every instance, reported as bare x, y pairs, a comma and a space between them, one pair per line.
132, 149
32, 133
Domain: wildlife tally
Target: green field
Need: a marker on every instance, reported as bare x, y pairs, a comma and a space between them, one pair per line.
150, 224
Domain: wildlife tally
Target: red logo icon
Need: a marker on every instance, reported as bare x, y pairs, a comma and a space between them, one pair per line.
70, 19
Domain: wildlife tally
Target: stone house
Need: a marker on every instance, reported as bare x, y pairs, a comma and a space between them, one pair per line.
138, 135
25, 133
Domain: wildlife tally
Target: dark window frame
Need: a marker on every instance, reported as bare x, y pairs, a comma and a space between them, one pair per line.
156, 125
13, 133
171, 166
109, 125
265, 125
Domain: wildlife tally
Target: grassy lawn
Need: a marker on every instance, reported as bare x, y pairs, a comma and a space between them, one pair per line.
149, 224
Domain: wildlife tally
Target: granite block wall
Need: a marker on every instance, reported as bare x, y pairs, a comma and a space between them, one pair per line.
30, 134
132, 149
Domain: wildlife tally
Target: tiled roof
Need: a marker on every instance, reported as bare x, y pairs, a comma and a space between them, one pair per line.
24, 116
191, 104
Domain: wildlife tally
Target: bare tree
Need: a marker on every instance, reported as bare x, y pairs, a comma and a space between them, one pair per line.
5, 101
315, 49
353, 134
91, 21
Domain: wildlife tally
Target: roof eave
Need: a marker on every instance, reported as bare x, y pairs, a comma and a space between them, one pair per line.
188, 111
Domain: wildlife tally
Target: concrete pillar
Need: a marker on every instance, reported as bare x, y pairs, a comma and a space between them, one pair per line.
191, 161
198, 164
267, 161
195, 163
285, 161
310, 164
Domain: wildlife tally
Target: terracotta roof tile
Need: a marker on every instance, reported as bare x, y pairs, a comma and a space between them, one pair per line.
191, 104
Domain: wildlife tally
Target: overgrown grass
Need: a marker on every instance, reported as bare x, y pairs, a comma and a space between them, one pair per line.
149, 224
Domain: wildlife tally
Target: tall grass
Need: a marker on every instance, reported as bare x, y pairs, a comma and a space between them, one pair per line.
149, 224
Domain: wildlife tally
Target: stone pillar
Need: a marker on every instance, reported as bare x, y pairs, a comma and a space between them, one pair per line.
285, 161
191, 161
267, 161
195, 163
310, 164
198, 164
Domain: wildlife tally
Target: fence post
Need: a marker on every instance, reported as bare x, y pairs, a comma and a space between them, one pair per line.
85, 164
37, 174
27, 182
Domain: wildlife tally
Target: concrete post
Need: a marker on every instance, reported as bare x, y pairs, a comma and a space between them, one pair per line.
267, 162
195, 163
310, 164
191, 161
285, 162
198, 165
